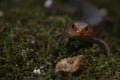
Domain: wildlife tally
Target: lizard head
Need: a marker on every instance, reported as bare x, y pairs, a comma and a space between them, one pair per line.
79, 29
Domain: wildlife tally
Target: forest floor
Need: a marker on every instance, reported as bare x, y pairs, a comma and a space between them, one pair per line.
27, 42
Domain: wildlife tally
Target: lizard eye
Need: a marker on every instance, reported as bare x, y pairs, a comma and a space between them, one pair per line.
86, 28
73, 26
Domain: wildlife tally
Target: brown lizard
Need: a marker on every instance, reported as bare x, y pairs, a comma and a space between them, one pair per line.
90, 15
84, 31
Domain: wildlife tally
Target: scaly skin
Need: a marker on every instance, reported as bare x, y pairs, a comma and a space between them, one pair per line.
84, 31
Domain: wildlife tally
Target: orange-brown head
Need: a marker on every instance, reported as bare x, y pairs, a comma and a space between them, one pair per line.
79, 29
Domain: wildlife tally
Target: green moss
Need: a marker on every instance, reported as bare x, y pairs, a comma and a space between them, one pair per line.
29, 41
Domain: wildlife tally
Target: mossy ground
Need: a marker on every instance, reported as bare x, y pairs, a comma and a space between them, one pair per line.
28, 42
